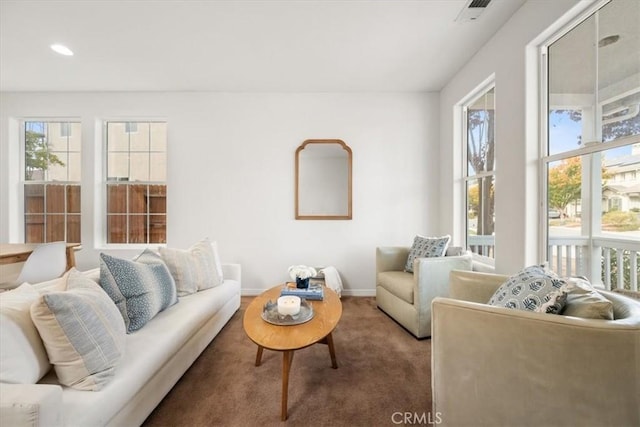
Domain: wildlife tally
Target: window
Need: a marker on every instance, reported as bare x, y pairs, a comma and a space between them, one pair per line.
51, 181
592, 149
479, 174
131, 127
136, 189
65, 130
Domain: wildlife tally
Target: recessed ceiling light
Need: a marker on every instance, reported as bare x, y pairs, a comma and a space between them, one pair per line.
61, 49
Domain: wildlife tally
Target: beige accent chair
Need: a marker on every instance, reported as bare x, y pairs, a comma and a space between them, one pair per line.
406, 297
494, 366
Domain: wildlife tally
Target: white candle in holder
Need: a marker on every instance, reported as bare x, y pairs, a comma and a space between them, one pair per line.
289, 304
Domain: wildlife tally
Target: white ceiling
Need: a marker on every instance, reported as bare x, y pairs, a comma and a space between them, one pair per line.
577, 64
265, 46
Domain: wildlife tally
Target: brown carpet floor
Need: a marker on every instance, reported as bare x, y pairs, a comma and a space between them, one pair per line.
382, 369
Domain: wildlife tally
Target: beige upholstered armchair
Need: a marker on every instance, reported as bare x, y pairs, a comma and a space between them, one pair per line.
494, 366
406, 297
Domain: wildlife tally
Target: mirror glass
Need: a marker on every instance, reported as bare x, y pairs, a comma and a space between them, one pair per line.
323, 180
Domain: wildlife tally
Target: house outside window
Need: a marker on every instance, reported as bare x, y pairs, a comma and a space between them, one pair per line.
136, 190
479, 171
51, 186
592, 152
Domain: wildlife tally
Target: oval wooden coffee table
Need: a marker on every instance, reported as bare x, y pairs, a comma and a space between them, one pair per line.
290, 338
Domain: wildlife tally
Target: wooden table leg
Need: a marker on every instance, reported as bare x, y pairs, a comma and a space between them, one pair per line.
287, 358
71, 258
332, 351
259, 355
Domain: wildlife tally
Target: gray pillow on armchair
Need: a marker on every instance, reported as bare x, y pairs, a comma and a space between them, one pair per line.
425, 247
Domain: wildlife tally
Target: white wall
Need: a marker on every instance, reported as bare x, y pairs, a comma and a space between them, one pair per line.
231, 173
511, 57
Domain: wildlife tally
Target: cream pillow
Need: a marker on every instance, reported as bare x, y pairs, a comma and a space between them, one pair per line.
584, 301
23, 358
216, 259
194, 269
83, 333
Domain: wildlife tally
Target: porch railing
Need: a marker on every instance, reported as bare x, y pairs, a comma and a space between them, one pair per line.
482, 245
618, 267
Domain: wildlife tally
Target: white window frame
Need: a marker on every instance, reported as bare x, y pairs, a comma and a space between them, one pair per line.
65, 130
130, 128
101, 205
23, 181
476, 93
589, 148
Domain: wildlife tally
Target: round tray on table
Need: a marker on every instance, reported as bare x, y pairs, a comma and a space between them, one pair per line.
270, 314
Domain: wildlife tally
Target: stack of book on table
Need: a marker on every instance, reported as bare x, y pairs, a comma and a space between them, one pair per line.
313, 292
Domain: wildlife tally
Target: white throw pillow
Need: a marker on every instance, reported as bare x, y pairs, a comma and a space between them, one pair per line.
194, 269
83, 332
23, 358
216, 258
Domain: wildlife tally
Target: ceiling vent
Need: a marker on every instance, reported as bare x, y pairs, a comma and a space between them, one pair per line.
472, 10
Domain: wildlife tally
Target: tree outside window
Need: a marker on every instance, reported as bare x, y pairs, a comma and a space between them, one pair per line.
51, 181
480, 172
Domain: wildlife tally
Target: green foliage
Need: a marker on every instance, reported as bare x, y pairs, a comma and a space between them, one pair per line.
620, 221
38, 156
565, 183
624, 269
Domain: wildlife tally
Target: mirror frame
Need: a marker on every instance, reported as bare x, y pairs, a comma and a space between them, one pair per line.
346, 148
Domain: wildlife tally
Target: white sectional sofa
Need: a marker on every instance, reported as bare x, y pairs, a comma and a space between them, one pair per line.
156, 356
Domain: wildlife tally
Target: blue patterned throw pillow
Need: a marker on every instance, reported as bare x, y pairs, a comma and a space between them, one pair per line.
532, 289
425, 247
140, 288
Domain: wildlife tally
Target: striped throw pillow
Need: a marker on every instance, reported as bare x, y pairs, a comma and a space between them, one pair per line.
194, 269
82, 331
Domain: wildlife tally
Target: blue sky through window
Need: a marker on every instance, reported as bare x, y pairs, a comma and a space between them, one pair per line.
564, 135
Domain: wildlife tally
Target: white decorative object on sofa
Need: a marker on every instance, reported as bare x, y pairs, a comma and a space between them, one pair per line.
23, 358
156, 356
46, 262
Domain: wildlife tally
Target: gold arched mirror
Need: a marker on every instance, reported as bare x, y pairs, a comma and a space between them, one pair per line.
323, 179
